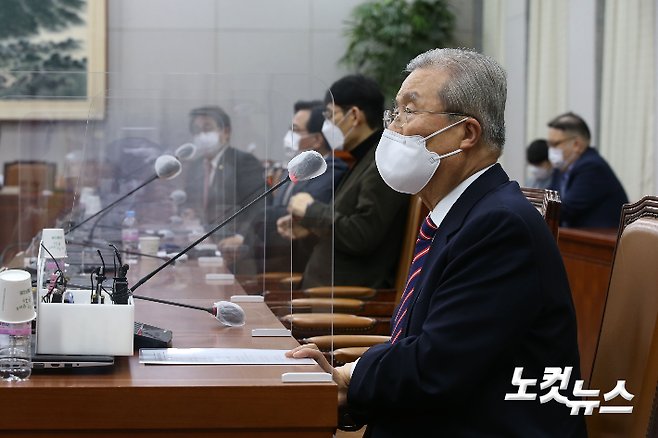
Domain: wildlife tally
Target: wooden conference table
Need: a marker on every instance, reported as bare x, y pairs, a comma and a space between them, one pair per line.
131, 399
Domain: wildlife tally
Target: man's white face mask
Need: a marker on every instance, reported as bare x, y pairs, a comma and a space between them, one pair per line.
207, 143
334, 135
539, 172
404, 162
291, 143
556, 157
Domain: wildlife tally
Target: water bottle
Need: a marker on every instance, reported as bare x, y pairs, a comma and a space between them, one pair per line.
129, 237
15, 355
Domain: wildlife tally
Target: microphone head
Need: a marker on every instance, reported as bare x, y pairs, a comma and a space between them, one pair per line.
186, 152
178, 197
306, 165
167, 167
228, 313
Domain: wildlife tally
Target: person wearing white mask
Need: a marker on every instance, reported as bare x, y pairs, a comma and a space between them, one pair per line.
222, 179
368, 216
304, 135
591, 193
487, 300
539, 167
298, 131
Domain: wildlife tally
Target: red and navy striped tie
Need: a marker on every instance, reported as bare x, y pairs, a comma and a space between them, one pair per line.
427, 231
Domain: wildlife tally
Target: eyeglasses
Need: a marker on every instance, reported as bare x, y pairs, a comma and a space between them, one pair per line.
400, 115
331, 115
555, 144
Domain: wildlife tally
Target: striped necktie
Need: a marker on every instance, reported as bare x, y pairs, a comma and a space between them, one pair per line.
427, 232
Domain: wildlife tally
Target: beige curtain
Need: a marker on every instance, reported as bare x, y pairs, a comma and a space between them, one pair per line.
493, 30
627, 94
547, 65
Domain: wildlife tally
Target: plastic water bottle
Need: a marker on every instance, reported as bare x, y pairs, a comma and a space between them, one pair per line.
15, 355
129, 237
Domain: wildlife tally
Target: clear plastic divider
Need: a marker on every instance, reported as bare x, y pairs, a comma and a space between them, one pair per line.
226, 133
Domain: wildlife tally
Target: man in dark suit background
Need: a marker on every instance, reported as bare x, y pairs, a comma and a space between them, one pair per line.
591, 194
487, 292
224, 179
368, 216
305, 135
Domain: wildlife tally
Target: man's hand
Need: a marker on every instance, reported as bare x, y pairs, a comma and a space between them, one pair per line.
290, 229
341, 375
298, 203
230, 248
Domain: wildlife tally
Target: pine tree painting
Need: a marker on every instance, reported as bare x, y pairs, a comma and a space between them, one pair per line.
39, 36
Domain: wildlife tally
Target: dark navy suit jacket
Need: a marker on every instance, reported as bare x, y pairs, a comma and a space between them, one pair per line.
591, 194
492, 295
321, 188
239, 179
277, 248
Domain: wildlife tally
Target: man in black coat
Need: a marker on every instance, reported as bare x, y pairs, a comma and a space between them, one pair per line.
591, 194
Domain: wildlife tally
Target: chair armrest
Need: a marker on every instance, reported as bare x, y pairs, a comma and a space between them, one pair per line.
328, 342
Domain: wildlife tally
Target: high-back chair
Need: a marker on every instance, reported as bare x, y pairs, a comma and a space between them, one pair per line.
627, 348
548, 203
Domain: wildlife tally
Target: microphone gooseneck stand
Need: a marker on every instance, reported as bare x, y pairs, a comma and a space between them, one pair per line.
109, 207
199, 240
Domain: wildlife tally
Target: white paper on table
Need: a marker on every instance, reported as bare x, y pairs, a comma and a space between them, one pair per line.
218, 356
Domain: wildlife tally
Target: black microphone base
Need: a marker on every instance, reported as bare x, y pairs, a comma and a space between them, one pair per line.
148, 336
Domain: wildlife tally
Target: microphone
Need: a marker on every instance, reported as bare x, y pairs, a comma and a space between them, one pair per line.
166, 167
305, 168
227, 313
178, 197
307, 165
186, 152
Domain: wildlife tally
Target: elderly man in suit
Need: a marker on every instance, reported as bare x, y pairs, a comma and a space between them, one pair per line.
591, 194
487, 301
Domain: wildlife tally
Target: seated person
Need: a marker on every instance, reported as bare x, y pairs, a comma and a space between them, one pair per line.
223, 179
487, 299
592, 196
368, 216
541, 169
306, 135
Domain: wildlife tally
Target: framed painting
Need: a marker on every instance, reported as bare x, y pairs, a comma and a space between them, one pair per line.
53, 58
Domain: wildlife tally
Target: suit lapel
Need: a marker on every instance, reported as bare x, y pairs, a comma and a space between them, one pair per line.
453, 221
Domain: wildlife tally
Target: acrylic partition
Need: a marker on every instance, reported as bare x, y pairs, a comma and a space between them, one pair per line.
73, 160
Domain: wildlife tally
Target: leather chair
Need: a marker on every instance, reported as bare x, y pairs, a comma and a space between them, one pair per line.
627, 348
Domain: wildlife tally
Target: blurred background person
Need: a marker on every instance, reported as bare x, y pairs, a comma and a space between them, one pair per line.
591, 194
539, 167
223, 179
305, 135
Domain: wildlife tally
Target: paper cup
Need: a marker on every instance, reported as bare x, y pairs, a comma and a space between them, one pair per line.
149, 245
16, 303
53, 239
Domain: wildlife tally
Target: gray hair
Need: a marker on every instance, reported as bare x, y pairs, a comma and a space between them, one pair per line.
478, 87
